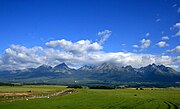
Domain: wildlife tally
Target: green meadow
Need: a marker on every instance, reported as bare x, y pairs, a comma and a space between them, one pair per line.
157, 98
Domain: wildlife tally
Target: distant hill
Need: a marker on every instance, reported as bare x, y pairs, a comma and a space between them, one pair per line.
103, 73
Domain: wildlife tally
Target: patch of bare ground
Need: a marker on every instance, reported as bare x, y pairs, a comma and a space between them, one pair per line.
14, 94
27, 95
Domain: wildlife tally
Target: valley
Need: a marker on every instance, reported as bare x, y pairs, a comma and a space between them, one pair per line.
85, 98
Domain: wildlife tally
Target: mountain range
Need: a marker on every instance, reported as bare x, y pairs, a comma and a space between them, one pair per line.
103, 73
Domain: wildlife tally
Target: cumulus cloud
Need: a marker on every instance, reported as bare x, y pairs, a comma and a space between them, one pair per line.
81, 46
165, 38
135, 46
79, 53
147, 34
145, 43
20, 57
162, 44
174, 50
104, 35
178, 33
177, 27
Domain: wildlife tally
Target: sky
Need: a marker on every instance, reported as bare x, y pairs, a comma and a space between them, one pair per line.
89, 32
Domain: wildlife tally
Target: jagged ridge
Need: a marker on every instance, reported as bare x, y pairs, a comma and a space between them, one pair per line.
103, 72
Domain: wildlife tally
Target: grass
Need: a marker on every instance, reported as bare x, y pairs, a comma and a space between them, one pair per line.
42, 88
9, 93
168, 98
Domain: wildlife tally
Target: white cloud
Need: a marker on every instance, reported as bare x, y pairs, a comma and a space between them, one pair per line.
147, 34
178, 33
173, 66
135, 46
145, 43
165, 38
104, 35
136, 60
16, 56
20, 57
81, 46
82, 52
177, 26
174, 50
162, 44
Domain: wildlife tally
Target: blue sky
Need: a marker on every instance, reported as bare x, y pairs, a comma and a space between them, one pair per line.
130, 26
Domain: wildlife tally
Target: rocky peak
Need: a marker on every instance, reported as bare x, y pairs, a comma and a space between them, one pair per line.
86, 68
106, 66
129, 68
44, 67
61, 66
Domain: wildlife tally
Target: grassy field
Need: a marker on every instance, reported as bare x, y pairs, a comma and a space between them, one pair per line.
9, 93
168, 98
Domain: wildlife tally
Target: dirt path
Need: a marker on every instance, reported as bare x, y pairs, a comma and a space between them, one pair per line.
14, 94
64, 92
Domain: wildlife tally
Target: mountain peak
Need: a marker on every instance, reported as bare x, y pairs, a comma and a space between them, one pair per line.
102, 72
44, 67
61, 66
128, 66
106, 67
153, 65
105, 64
86, 68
